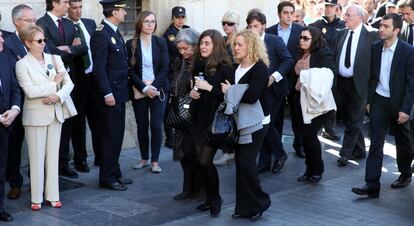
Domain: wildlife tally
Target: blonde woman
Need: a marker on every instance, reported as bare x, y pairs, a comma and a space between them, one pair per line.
46, 86
250, 53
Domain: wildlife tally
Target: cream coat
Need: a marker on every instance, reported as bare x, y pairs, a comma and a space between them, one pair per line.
37, 85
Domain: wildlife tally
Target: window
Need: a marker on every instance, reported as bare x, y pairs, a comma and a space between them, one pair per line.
134, 8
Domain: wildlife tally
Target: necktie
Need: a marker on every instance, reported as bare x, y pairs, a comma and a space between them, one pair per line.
86, 60
348, 51
60, 29
410, 35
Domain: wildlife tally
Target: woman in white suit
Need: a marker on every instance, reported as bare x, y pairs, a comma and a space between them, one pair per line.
46, 86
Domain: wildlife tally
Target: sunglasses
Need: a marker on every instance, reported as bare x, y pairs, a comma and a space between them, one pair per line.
40, 41
304, 38
224, 23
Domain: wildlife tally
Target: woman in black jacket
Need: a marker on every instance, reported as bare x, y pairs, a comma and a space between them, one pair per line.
313, 53
211, 66
250, 53
148, 70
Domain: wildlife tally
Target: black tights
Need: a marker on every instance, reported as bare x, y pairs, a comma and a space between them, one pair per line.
210, 179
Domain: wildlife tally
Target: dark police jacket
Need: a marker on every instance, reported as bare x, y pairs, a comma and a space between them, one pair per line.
330, 30
110, 63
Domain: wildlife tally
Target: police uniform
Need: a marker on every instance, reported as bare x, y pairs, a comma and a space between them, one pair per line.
329, 29
110, 73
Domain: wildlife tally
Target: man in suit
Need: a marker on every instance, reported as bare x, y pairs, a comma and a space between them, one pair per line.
280, 65
390, 99
111, 77
10, 103
83, 91
63, 39
290, 33
329, 24
22, 17
353, 57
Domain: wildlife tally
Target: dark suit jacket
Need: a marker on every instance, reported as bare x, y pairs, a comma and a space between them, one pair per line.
293, 42
10, 90
405, 32
5, 33
281, 61
160, 62
362, 70
401, 76
14, 48
322, 57
110, 63
54, 39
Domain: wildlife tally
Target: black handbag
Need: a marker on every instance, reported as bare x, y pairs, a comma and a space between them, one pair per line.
222, 131
179, 115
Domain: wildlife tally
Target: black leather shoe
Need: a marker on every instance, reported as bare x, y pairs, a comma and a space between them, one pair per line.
263, 169
82, 167
215, 209
303, 178
123, 180
256, 217
203, 207
365, 190
300, 153
14, 193
315, 178
342, 161
401, 182
115, 186
6, 217
331, 136
278, 164
181, 196
68, 172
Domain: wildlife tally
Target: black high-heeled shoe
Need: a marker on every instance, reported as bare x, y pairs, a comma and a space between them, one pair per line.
315, 178
215, 209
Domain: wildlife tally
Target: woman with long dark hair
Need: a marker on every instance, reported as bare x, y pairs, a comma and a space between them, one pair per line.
313, 53
148, 69
211, 66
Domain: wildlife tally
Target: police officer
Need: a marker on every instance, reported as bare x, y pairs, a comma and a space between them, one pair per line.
110, 73
178, 17
329, 25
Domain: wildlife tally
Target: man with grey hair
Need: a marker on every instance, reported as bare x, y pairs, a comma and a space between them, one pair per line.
22, 16
353, 60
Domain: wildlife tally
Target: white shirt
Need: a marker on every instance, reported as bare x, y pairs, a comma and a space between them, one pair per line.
349, 72
383, 87
87, 40
54, 18
276, 75
238, 75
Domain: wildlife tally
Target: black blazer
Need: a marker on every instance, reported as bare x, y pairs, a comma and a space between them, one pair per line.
401, 76
5, 33
160, 61
257, 79
281, 61
203, 109
322, 57
54, 39
10, 90
362, 62
294, 37
14, 48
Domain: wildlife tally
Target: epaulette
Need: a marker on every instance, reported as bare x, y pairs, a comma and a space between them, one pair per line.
100, 27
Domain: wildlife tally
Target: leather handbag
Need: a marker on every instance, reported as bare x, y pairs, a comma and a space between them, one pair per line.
68, 107
179, 115
222, 131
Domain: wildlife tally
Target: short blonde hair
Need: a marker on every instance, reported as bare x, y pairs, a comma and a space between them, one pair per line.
256, 47
30, 32
231, 16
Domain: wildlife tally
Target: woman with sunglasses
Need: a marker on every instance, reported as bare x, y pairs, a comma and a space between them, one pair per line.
211, 66
313, 53
148, 69
46, 86
230, 23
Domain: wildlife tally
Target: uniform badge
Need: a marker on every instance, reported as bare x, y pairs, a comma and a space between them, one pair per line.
113, 40
171, 38
324, 30
100, 27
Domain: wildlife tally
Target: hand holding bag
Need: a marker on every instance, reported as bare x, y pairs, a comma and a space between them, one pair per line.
222, 131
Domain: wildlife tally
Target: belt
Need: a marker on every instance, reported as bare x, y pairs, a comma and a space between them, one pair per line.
346, 78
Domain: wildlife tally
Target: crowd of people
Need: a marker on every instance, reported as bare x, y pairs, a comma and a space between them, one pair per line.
324, 60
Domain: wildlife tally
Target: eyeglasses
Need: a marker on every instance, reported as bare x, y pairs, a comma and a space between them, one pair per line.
29, 20
40, 41
224, 23
149, 22
305, 38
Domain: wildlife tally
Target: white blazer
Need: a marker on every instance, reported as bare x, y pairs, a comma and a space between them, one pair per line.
37, 84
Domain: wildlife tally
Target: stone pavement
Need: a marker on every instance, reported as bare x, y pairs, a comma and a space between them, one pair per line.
149, 200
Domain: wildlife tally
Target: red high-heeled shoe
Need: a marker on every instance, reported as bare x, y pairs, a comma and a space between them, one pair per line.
36, 206
54, 204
